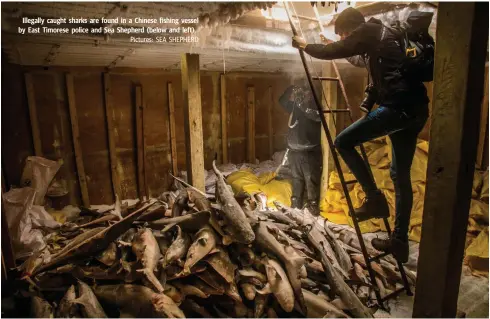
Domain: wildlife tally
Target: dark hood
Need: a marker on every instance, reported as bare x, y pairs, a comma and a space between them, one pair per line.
348, 20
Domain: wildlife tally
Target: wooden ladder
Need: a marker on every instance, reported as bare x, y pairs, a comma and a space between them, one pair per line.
368, 259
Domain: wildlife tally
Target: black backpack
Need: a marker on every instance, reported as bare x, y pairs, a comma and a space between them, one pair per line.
417, 45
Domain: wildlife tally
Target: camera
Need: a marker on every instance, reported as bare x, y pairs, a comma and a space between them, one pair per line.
369, 99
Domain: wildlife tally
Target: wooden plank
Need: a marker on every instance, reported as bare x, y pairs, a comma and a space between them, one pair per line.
70, 90
251, 124
89, 99
109, 115
458, 92
270, 126
483, 125
31, 101
191, 92
224, 120
140, 143
171, 118
330, 89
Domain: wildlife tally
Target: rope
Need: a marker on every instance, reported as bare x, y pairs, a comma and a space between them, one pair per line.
224, 61
290, 120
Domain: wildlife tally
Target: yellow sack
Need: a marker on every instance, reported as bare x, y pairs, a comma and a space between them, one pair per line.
58, 215
266, 177
280, 191
244, 181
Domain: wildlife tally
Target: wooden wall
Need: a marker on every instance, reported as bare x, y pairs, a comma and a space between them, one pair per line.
49, 97
16, 130
267, 91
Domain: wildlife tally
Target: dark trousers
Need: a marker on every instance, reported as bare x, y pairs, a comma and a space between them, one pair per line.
402, 127
306, 170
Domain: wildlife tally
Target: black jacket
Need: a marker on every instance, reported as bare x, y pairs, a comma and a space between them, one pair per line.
383, 56
305, 134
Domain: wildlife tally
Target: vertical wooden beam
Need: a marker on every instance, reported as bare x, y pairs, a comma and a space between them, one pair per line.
4, 270
224, 120
145, 138
458, 92
330, 89
171, 118
270, 125
8, 260
64, 151
70, 90
191, 89
213, 143
140, 143
109, 116
483, 125
251, 124
31, 101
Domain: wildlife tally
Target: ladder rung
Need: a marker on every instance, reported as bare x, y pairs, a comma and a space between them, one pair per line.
393, 294
337, 111
371, 259
325, 78
351, 182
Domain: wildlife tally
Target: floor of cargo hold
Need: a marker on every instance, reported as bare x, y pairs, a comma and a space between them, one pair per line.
473, 292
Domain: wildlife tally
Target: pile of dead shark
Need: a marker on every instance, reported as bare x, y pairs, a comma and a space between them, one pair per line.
188, 254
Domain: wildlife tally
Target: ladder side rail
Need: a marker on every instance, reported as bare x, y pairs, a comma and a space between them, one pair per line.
365, 159
335, 158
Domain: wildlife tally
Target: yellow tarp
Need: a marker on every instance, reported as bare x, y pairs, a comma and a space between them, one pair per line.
477, 254
246, 181
334, 205
484, 188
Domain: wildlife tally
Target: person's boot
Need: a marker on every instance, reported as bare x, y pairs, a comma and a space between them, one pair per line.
296, 202
395, 246
313, 207
375, 206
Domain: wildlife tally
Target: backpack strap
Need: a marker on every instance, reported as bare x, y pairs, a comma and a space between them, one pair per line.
400, 33
384, 30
